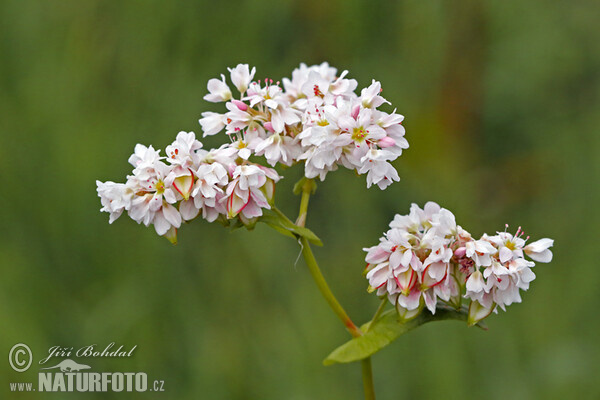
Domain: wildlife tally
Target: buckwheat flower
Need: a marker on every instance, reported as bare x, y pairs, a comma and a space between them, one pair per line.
226, 155
212, 123
238, 119
279, 148
540, 250
509, 246
342, 86
478, 289
394, 141
480, 251
207, 193
319, 160
362, 128
379, 171
241, 148
321, 89
144, 160
270, 95
244, 194
277, 105
211, 178
370, 97
184, 155
218, 90
115, 197
241, 76
153, 201
183, 151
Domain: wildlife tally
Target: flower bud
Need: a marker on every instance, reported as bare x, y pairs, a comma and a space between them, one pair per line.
240, 104
460, 252
235, 204
171, 235
269, 126
406, 315
386, 142
478, 312
184, 185
249, 223
269, 190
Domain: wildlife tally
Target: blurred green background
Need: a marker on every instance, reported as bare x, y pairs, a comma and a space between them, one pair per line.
502, 113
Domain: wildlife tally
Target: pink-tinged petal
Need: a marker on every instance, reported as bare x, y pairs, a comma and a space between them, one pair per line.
412, 301
188, 210
376, 255
252, 210
395, 259
416, 263
259, 198
430, 300
355, 111
406, 258
161, 225
378, 275
172, 215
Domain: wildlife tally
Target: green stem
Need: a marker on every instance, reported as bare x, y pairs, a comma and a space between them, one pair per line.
307, 189
315, 271
319, 279
301, 221
367, 377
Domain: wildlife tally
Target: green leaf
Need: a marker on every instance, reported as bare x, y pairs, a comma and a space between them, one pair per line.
387, 329
284, 226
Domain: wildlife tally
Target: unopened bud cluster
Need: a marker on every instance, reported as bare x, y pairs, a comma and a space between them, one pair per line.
426, 258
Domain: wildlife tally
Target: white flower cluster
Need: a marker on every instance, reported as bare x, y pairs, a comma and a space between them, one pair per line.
316, 118
426, 257
167, 190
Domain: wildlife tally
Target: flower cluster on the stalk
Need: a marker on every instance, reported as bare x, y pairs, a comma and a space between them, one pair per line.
426, 257
188, 181
315, 118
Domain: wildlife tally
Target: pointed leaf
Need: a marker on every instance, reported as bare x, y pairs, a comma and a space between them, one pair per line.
288, 228
387, 329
